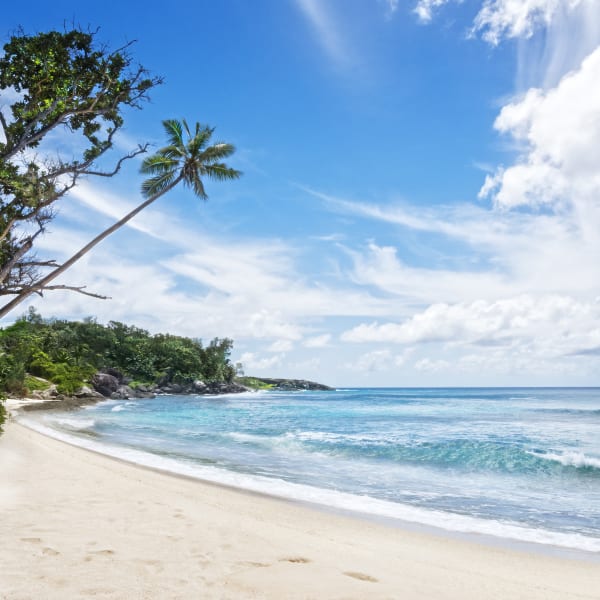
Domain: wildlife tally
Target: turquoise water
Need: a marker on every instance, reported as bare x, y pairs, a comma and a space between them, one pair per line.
516, 463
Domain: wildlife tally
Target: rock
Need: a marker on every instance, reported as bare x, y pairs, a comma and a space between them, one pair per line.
224, 388
86, 392
294, 384
105, 383
123, 392
115, 373
50, 393
199, 386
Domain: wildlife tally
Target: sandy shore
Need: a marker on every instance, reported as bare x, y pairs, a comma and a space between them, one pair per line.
75, 524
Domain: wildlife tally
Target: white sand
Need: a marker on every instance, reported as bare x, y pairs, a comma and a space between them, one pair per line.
75, 524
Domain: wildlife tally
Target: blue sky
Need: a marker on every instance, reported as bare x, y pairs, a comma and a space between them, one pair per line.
420, 202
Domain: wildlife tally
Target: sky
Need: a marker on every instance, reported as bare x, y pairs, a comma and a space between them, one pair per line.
420, 203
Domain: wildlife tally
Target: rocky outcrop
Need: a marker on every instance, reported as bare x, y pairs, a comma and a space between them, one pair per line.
201, 388
105, 383
290, 385
114, 385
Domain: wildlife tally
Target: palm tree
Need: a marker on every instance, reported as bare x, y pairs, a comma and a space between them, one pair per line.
179, 161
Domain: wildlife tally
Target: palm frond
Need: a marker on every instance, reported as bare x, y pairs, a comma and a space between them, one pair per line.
158, 163
187, 128
188, 161
174, 132
200, 139
195, 182
157, 184
221, 172
174, 151
216, 152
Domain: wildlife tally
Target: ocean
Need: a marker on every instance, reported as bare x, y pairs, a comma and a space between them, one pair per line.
519, 464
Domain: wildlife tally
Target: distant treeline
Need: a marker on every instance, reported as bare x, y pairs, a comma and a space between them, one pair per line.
69, 353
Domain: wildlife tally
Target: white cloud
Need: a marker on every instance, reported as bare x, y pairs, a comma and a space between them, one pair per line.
517, 18
251, 360
431, 366
517, 253
560, 134
326, 30
318, 341
173, 276
281, 346
509, 19
425, 9
377, 360
391, 6
553, 325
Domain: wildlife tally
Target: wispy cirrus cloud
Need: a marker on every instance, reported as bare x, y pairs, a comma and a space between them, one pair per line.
508, 19
500, 19
326, 30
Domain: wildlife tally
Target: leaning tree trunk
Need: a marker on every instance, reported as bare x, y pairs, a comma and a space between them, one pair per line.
40, 285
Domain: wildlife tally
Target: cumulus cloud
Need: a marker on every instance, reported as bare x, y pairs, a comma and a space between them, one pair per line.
554, 325
370, 362
379, 360
559, 131
281, 346
251, 360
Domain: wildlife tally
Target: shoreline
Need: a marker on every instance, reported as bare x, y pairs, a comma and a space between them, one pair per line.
522, 539
80, 518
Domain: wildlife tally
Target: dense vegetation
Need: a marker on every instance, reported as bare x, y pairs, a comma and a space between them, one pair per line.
69, 353
55, 82
65, 81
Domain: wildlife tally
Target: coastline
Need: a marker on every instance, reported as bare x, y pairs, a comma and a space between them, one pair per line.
79, 523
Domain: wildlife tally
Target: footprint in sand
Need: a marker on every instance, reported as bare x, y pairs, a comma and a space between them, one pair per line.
32, 540
295, 559
50, 551
360, 576
105, 552
251, 563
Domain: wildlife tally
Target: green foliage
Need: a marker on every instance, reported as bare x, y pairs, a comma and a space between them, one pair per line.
253, 383
68, 376
35, 384
68, 354
188, 161
65, 81
2, 414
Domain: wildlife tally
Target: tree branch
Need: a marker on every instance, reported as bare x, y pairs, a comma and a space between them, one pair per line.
141, 150
6, 269
78, 289
8, 228
4, 125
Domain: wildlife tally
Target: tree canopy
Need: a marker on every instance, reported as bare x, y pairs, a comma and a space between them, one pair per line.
69, 353
55, 81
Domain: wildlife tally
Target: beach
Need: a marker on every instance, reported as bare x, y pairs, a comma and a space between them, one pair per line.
77, 524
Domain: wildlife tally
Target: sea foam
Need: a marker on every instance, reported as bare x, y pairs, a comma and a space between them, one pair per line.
331, 498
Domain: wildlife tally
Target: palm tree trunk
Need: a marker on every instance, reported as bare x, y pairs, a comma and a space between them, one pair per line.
39, 286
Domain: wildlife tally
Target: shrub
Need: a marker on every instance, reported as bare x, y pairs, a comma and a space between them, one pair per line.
2, 414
